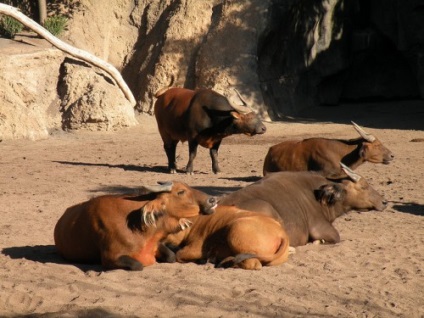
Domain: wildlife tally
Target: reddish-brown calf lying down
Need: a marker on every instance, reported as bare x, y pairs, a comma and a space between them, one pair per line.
232, 237
124, 231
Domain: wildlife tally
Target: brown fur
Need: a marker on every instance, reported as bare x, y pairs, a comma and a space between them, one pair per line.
324, 155
244, 239
201, 117
124, 231
306, 202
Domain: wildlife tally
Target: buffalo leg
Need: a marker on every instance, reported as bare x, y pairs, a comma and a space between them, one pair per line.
165, 254
123, 262
324, 231
192, 151
190, 253
214, 156
252, 264
170, 149
242, 260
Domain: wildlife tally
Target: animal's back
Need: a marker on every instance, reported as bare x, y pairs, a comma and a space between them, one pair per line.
277, 188
312, 154
287, 196
285, 156
79, 232
257, 234
231, 231
73, 235
171, 112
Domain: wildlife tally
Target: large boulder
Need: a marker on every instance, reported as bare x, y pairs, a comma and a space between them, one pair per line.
91, 101
29, 101
43, 92
186, 43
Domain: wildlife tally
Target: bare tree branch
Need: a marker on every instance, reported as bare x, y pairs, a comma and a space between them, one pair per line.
42, 9
80, 54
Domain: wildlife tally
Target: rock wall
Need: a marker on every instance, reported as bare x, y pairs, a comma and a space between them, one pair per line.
329, 51
91, 101
29, 102
284, 56
43, 92
206, 43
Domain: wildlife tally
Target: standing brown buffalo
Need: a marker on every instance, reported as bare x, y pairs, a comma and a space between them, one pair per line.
201, 117
324, 155
307, 203
124, 231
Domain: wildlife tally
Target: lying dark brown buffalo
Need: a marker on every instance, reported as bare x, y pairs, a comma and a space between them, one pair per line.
307, 203
124, 231
201, 117
324, 155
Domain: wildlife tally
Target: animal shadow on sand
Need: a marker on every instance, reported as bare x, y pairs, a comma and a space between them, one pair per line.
86, 312
243, 179
119, 189
409, 207
44, 254
157, 169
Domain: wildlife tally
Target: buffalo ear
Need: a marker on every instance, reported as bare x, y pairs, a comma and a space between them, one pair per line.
364, 150
235, 115
329, 194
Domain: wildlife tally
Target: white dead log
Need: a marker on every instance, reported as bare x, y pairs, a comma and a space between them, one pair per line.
77, 53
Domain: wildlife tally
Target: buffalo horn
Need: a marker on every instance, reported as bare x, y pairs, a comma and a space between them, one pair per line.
161, 187
241, 108
241, 98
365, 135
352, 175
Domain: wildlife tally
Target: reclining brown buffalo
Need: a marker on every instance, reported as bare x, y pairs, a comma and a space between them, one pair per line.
201, 117
124, 231
324, 155
307, 203
232, 237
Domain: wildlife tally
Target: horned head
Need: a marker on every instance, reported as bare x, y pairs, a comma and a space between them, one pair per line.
363, 133
349, 172
175, 200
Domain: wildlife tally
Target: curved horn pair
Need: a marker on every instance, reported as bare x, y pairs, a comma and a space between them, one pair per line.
349, 172
365, 135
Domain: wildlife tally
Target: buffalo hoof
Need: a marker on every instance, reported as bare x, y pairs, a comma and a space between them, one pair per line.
250, 264
189, 172
127, 262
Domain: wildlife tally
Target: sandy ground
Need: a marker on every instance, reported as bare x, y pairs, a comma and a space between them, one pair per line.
375, 271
